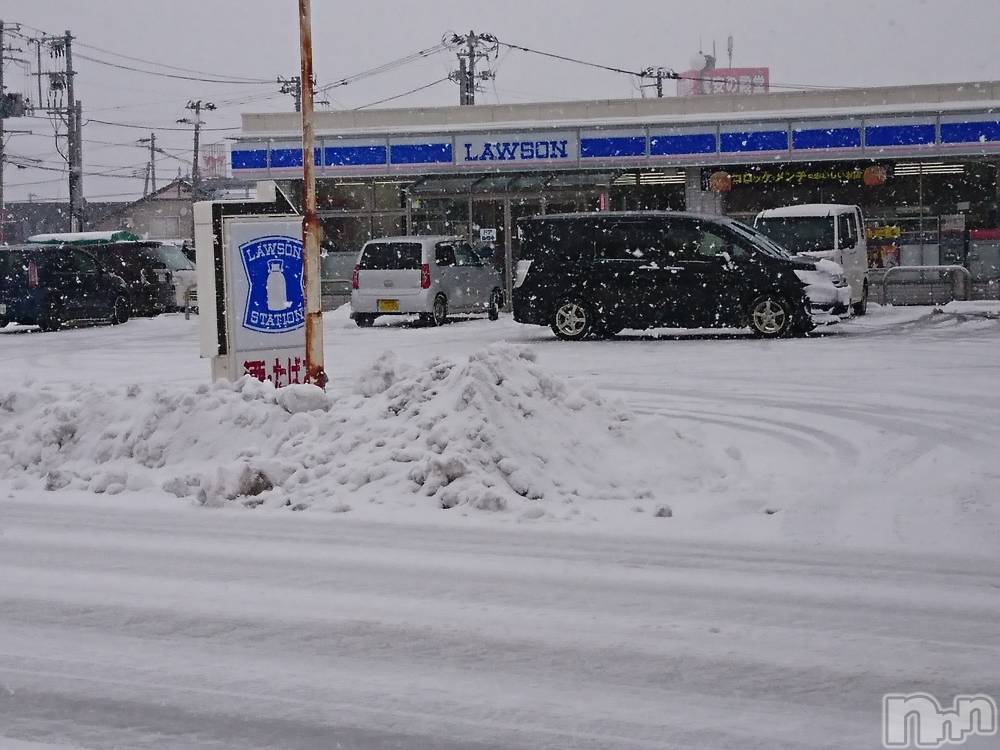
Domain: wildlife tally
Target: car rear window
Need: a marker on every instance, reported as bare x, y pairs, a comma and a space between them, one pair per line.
390, 256
559, 237
13, 264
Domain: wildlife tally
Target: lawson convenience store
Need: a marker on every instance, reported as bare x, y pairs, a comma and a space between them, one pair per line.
904, 154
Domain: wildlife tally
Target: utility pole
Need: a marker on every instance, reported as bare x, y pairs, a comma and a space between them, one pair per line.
9, 107
661, 74
3, 211
152, 157
311, 228
73, 149
196, 106
477, 46
292, 86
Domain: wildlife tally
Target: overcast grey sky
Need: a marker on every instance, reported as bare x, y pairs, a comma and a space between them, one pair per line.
818, 42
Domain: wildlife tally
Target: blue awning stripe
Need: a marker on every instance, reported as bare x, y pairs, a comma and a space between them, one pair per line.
899, 135
826, 138
612, 146
255, 159
421, 153
970, 132
687, 143
340, 156
291, 157
764, 140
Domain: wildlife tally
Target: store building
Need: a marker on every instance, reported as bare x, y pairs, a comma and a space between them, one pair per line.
908, 155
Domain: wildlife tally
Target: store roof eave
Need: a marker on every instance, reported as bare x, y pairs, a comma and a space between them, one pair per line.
990, 105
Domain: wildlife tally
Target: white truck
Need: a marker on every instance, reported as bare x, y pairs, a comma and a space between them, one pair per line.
829, 231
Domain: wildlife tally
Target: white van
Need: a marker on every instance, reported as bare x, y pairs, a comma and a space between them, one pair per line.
432, 276
824, 230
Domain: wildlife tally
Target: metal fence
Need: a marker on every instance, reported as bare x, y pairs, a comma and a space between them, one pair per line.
920, 285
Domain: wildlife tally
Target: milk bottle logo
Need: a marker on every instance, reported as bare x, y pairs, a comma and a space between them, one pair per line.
277, 290
275, 297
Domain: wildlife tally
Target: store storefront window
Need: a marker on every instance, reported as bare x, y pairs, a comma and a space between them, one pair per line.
439, 216
388, 225
389, 196
345, 234
344, 196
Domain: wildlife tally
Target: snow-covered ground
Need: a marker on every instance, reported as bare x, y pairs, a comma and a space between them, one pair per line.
667, 540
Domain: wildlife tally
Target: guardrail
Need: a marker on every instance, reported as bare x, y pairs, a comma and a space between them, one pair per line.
953, 269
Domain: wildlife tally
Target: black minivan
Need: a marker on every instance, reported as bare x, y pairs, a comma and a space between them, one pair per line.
594, 274
48, 285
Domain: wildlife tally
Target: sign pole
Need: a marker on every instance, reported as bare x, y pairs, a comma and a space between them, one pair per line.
310, 222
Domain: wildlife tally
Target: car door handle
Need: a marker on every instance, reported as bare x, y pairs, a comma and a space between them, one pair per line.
673, 269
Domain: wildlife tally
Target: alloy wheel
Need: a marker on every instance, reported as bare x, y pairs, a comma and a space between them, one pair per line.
769, 317
571, 320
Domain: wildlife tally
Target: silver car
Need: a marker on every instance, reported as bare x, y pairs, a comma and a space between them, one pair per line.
433, 276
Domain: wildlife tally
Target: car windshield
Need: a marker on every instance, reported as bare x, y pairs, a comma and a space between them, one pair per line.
390, 256
172, 257
761, 241
799, 234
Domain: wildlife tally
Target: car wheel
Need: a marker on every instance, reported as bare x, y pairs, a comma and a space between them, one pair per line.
121, 310
572, 320
439, 314
861, 308
364, 321
495, 303
53, 318
769, 317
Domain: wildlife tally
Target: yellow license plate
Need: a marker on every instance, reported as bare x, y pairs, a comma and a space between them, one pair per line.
388, 305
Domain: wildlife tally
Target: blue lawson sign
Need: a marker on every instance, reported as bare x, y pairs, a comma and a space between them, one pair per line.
275, 295
517, 148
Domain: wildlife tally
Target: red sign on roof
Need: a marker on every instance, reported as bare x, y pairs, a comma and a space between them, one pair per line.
733, 81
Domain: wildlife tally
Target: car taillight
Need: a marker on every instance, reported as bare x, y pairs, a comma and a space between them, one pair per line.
425, 276
356, 278
32, 275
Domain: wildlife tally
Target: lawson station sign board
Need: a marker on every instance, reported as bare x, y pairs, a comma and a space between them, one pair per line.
863, 135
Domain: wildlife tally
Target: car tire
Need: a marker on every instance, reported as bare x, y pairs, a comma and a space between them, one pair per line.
770, 317
572, 319
439, 315
496, 299
53, 318
121, 310
861, 308
364, 321
604, 329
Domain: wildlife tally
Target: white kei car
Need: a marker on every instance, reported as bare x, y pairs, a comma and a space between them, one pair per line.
433, 276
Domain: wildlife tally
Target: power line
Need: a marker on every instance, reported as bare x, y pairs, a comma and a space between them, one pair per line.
553, 55
64, 170
174, 75
172, 67
405, 93
384, 67
665, 73
150, 127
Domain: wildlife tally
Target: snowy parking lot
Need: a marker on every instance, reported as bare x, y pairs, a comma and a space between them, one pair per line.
503, 540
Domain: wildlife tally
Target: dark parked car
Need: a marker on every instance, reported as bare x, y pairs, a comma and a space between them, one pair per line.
48, 285
594, 274
158, 275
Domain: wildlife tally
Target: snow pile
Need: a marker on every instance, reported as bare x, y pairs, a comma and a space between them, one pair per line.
492, 431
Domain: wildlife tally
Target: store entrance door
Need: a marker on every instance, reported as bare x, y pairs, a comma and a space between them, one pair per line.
494, 220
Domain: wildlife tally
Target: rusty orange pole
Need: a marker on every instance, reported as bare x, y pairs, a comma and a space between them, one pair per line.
310, 222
